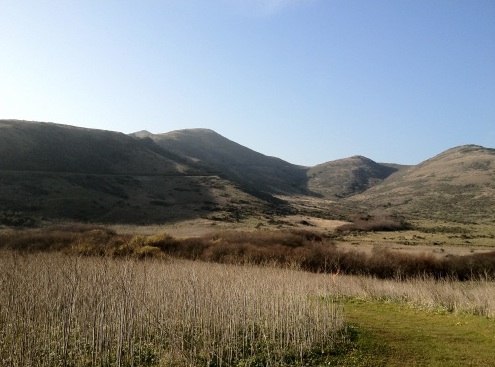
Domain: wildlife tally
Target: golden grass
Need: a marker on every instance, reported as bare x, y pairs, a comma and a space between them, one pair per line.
65, 310
445, 295
58, 310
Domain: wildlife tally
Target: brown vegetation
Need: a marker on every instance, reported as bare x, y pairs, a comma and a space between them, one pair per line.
304, 250
58, 310
365, 223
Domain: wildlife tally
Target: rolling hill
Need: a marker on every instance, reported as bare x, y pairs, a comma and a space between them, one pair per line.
58, 171
64, 172
346, 177
232, 161
48, 147
458, 185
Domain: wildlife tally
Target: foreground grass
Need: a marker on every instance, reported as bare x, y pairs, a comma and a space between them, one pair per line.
81, 296
64, 310
394, 334
58, 310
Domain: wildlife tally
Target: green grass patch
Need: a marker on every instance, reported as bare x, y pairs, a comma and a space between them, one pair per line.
393, 334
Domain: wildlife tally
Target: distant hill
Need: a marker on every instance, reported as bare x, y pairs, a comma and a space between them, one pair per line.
346, 177
65, 172
232, 161
458, 184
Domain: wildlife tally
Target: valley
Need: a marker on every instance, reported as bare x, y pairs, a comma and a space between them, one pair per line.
158, 239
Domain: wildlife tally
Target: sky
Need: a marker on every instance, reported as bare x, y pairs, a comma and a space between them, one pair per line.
308, 81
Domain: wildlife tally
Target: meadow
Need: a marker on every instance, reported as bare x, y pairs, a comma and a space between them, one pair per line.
84, 295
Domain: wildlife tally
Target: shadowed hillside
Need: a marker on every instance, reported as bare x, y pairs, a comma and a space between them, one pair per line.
59, 171
346, 177
457, 185
40, 146
232, 161
65, 172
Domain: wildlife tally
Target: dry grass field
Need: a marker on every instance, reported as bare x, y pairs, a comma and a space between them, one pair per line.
435, 237
301, 291
66, 310
58, 310
375, 247
207, 253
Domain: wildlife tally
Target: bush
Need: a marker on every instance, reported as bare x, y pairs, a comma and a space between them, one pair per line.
375, 223
16, 219
304, 250
147, 251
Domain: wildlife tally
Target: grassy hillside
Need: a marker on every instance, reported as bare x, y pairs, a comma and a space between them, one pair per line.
456, 185
40, 146
125, 199
63, 172
235, 162
346, 177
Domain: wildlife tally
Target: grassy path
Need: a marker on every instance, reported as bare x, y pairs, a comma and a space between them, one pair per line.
390, 334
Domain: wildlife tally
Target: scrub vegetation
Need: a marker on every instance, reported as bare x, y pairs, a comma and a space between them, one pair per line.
301, 249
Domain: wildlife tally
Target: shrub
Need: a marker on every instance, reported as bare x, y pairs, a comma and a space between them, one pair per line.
303, 250
16, 219
148, 251
375, 223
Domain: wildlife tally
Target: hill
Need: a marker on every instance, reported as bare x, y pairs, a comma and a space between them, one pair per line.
456, 185
232, 161
346, 177
49, 147
64, 172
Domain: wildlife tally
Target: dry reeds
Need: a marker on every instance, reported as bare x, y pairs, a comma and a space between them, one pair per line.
58, 310
438, 295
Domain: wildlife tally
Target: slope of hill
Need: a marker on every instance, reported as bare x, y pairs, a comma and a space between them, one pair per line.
41, 146
59, 171
346, 177
250, 169
457, 185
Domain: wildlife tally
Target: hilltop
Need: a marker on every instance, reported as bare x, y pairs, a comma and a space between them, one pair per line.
232, 161
48, 147
346, 177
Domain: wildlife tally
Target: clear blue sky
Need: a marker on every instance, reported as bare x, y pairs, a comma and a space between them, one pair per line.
305, 80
